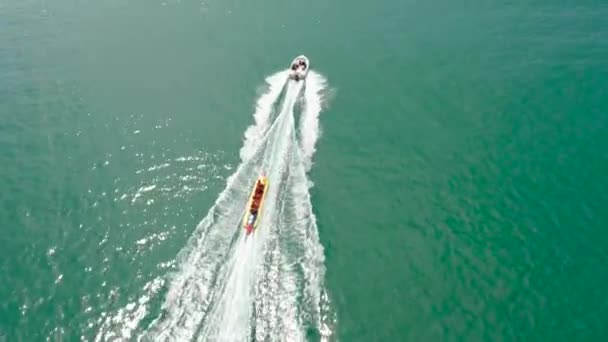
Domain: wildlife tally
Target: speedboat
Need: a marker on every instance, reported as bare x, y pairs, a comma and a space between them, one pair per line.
299, 68
254, 205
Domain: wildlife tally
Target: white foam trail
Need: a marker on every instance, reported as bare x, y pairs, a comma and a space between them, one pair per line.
313, 264
291, 297
310, 258
231, 318
200, 276
309, 121
230, 323
262, 113
269, 286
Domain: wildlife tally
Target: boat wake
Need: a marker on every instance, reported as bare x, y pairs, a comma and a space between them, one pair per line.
268, 285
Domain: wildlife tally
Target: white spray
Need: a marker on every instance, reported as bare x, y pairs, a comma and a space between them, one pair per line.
270, 284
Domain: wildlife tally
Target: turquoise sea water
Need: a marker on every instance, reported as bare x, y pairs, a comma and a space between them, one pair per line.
459, 179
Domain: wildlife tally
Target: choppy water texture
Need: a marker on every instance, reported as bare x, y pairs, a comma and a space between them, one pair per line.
456, 169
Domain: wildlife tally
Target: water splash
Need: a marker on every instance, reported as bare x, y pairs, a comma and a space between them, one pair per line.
226, 287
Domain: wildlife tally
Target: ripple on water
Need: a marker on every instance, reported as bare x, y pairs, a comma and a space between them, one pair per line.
155, 215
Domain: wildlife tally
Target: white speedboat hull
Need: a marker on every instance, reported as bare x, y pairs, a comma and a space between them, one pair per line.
298, 69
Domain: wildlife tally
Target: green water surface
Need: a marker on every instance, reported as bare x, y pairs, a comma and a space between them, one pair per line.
459, 182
